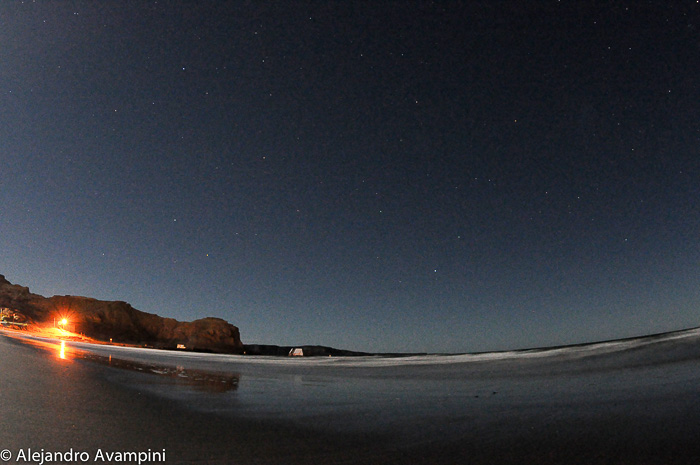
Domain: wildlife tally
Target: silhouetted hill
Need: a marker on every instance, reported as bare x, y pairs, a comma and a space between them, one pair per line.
308, 351
119, 321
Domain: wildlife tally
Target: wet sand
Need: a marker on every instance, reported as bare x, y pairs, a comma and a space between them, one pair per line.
55, 405
597, 410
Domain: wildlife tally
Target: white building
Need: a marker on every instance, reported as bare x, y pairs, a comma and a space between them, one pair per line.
296, 352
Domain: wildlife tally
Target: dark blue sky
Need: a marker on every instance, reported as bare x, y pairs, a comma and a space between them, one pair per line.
385, 176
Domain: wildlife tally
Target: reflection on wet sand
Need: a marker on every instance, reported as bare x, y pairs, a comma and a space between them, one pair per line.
197, 379
200, 380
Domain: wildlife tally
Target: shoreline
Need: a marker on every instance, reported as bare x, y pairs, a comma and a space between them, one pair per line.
93, 412
618, 414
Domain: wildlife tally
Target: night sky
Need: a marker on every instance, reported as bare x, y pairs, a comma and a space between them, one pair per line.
381, 176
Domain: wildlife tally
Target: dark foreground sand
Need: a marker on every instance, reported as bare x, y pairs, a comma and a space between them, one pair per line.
57, 405
54, 404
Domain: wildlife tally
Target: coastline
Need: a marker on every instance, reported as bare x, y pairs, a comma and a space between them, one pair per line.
592, 411
73, 405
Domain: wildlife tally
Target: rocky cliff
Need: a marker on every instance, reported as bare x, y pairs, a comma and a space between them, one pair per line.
121, 322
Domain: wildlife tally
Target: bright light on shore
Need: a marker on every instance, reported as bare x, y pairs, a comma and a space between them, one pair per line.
63, 322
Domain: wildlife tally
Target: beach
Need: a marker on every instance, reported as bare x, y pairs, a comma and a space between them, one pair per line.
631, 402
57, 405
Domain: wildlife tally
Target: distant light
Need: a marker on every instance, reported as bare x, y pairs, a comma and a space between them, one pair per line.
63, 322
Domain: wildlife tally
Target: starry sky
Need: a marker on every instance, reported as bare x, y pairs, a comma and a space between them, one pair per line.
438, 176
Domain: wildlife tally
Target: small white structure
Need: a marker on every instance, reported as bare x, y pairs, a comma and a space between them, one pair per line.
296, 352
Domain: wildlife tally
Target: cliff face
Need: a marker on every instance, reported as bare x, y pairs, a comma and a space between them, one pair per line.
121, 322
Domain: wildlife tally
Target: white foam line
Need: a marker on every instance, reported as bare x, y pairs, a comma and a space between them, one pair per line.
172, 356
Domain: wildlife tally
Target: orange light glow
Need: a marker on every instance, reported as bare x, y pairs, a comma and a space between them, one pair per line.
62, 352
63, 322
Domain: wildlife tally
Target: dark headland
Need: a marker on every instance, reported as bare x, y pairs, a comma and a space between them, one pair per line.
119, 322
116, 321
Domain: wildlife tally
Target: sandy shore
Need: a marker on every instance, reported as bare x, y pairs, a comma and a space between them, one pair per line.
600, 416
57, 405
